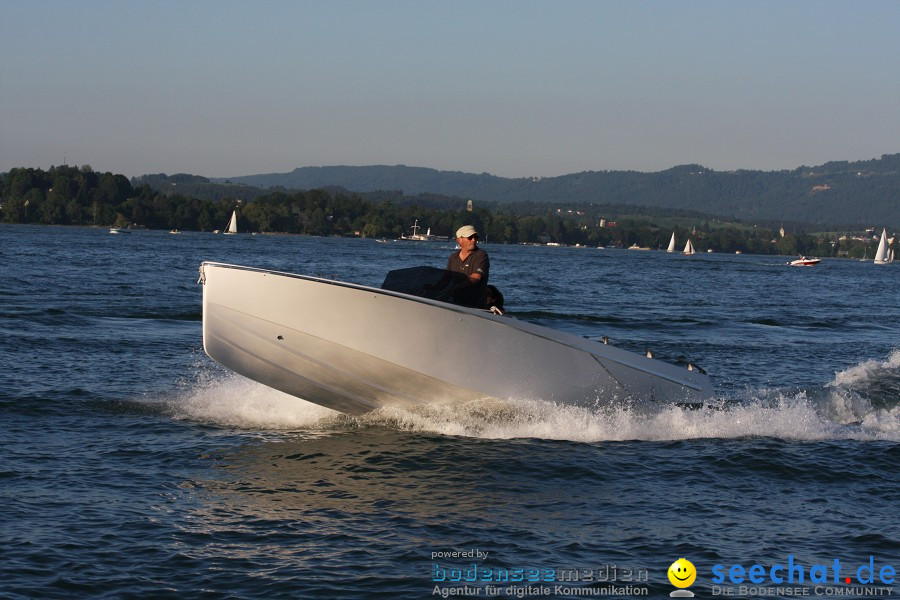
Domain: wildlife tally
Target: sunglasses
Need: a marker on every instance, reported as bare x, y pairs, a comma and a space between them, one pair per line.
474, 236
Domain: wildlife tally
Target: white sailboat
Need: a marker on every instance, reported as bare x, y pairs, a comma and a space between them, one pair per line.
688, 249
232, 225
671, 247
884, 255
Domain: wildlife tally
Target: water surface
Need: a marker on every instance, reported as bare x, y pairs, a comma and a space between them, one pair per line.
133, 466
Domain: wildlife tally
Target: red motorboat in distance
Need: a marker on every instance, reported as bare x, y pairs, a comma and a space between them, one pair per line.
805, 262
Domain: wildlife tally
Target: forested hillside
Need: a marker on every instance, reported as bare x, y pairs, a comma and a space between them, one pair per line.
80, 196
862, 193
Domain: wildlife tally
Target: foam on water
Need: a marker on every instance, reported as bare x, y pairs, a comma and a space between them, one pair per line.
848, 408
869, 394
787, 417
868, 371
234, 401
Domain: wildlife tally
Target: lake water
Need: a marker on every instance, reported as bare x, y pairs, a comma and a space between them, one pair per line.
132, 466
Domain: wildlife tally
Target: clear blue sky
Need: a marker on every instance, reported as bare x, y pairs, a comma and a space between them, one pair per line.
512, 88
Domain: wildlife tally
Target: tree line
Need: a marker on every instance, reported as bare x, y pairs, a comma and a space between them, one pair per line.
69, 195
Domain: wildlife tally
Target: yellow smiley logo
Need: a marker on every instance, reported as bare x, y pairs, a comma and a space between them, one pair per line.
682, 573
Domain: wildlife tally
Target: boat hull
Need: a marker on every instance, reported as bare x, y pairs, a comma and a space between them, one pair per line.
805, 262
355, 348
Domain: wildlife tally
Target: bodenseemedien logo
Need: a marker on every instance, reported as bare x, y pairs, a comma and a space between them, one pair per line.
682, 574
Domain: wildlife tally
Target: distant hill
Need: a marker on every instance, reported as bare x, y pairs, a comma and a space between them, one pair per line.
836, 193
196, 186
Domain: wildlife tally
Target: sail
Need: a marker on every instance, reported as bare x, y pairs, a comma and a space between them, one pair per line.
688, 248
232, 225
672, 243
881, 256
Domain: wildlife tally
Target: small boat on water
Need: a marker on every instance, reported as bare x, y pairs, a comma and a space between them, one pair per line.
689, 249
671, 247
232, 224
119, 230
885, 254
805, 262
422, 237
347, 346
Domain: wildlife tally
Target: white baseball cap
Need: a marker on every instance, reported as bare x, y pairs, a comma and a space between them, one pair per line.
466, 231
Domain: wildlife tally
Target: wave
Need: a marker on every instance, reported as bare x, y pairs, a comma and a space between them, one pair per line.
657, 322
86, 315
872, 384
539, 315
861, 403
824, 323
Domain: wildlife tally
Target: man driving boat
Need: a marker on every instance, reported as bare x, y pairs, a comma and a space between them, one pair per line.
467, 271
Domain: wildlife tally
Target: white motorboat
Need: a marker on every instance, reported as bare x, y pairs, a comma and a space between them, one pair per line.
422, 237
348, 347
805, 262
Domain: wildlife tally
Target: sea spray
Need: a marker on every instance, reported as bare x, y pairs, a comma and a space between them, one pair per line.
235, 401
867, 394
830, 413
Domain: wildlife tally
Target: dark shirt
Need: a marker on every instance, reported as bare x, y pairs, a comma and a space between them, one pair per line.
476, 262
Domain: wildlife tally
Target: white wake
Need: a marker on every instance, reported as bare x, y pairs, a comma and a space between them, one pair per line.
848, 407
